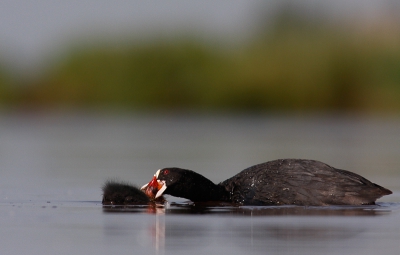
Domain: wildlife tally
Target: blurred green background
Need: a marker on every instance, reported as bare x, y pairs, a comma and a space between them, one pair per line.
295, 61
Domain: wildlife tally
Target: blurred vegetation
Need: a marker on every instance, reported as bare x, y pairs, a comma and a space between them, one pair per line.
6, 89
298, 65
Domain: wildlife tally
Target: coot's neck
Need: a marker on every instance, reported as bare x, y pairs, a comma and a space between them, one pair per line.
197, 188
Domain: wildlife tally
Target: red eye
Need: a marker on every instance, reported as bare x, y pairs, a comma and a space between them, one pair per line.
166, 171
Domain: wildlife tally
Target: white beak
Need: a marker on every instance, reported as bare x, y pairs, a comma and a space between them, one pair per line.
160, 191
163, 188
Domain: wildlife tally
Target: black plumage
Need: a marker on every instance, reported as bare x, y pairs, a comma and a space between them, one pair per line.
122, 193
278, 182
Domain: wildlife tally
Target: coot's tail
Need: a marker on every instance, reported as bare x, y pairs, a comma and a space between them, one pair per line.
383, 191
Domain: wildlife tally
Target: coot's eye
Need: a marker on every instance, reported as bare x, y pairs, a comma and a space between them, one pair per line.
166, 171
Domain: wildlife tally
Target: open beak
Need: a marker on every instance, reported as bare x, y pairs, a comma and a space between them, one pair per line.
154, 188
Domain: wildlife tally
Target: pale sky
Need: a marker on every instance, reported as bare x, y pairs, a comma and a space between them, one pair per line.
33, 30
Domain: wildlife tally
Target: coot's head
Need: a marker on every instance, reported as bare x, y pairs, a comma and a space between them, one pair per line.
184, 183
170, 180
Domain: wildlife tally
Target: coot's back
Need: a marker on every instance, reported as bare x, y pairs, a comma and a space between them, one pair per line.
301, 182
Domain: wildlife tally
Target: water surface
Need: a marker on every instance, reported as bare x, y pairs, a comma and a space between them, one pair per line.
53, 167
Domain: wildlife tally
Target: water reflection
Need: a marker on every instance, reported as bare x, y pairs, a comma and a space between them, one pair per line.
189, 227
221, 209
151, 208
294, 237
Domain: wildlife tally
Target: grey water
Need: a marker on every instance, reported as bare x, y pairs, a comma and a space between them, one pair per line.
52, 167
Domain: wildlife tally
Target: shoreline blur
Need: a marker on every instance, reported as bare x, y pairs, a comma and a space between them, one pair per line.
297, 63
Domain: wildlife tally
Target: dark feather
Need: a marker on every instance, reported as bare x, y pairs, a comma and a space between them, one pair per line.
301, 182
122, 193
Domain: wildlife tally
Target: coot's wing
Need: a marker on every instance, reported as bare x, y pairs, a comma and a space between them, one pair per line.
300, 182
277, 182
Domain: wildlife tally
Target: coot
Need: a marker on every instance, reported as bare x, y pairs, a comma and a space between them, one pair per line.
122, 193
278, 182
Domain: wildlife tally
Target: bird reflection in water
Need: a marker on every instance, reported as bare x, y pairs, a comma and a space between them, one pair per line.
150, 208
254, 226
155, 230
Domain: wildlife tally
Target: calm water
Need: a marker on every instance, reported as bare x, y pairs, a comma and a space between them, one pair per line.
52, 168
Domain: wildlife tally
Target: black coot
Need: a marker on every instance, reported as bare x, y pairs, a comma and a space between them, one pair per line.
278, 182
121, 193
